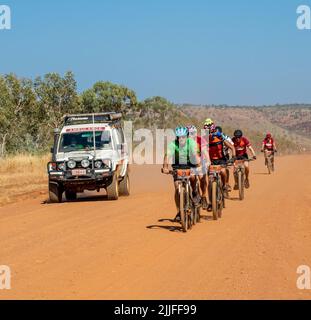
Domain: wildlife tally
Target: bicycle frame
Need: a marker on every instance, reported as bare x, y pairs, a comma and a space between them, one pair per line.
214, 176
182, 176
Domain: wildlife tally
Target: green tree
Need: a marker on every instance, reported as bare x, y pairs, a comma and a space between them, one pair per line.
106, 96
17, 120
57, 96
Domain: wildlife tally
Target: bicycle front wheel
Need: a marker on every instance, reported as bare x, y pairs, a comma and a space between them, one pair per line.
214, 200
182, 209
241, 185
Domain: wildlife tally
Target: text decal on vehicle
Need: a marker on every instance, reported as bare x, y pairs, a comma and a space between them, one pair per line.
85, 129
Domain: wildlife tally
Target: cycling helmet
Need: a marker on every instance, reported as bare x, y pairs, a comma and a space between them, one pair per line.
208, 122
238, 133
181, 132
192, 130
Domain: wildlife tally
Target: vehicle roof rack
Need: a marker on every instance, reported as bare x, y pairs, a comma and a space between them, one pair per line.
86, 118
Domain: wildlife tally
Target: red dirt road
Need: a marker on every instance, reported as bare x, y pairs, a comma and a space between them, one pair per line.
96, 249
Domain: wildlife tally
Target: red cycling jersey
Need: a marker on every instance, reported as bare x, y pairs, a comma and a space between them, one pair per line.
216, 147
241, 145
268, 144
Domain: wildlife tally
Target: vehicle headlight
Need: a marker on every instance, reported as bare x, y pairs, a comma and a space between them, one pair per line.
52, 166
61, 166
98, 164
72, 164
107, 163
85, 163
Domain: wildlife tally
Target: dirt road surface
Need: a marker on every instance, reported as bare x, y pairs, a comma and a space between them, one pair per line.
129, 249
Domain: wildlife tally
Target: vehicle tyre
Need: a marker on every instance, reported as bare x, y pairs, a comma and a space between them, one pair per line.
113, 188
55, 193
124, 186
71, 195
214, 200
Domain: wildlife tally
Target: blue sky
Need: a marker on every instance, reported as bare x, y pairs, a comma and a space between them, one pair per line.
199, 51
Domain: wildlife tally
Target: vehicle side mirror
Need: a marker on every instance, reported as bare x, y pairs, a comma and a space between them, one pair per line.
52, 150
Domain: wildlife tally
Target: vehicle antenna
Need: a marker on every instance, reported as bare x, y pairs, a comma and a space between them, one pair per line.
93, 117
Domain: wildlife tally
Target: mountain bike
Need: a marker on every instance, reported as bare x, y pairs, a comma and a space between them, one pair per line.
239, 173
269, 160
216, 190
189, 211
196, 206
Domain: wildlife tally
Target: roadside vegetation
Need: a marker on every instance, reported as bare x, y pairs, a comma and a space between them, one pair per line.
20, 176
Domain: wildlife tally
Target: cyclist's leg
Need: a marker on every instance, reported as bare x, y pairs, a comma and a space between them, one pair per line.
266, 156
246, 170
195, 190
203, 185
223, 176
177, 200
235, 175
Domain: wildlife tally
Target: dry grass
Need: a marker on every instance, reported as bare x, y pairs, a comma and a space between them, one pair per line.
21, 175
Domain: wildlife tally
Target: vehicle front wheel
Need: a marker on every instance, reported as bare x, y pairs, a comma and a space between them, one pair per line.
113, 189
55, 193
124, 186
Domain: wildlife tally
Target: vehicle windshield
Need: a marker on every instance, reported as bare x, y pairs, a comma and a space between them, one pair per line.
83, 141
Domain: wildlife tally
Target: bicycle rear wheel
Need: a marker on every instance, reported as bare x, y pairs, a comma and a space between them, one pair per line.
214, 200
269, 165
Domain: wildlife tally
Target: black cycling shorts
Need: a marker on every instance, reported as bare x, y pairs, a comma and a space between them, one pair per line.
219, 162
242, 157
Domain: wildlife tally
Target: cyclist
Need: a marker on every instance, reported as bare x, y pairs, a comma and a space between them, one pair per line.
226, 151
216, 152
203, 153
182, 153
241, 144
268, 147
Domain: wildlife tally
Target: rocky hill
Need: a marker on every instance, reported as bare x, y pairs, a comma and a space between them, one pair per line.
290, 124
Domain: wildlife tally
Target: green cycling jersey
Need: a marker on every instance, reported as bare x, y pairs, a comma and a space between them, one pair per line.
183, 155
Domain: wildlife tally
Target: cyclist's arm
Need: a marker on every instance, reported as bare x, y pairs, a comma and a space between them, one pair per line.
205, 154
231, 147
168, 156
274, 147
252, 150
263, 147
194, 153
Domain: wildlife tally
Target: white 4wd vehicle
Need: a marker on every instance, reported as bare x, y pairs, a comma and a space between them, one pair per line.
89, 153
